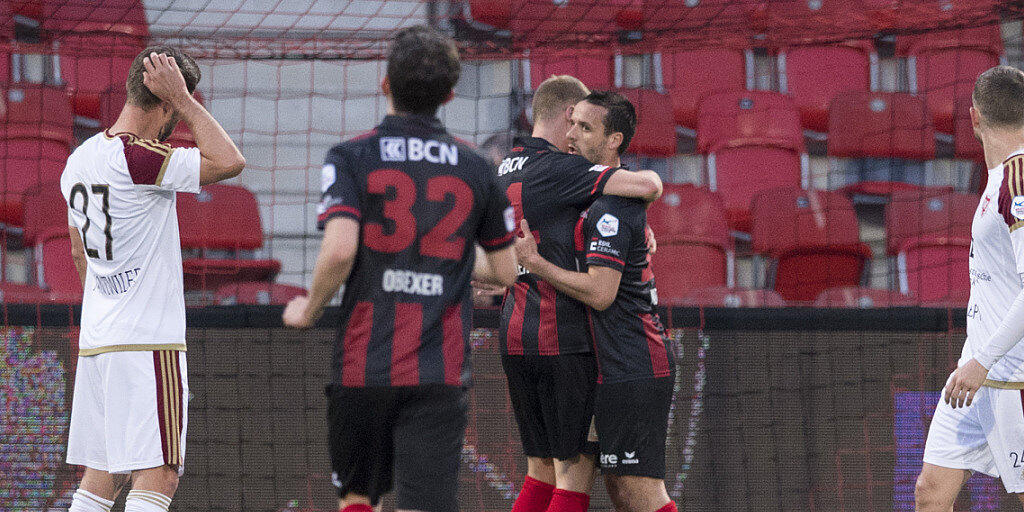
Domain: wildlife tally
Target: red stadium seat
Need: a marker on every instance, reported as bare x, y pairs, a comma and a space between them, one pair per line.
943, 67
861, 297
257, 292
808, 73
45, 210
965, 144
688, 212
718, 297
741, 169
201, 220
928, 214
748, 115
813, 237
99, 39
23, 164
879, 124
570, 20
595, 69
681, 266
57, 271
727, 21
39, 112
690, 76
655, 134
936, 269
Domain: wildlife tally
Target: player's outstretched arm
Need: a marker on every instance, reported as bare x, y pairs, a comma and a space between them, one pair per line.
596, 288
78, 253
221, 159
495, 267
644, 185
333, 264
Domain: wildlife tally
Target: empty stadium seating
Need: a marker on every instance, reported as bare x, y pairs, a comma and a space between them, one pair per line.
754, 143
813, 238
809, 74
654, 135
45, 211
595, 69
879, 124
99, 40
942, 67
718, 297
695, 249
55, 268
749, 116
256, 293
34, 144
965, 145
861, 297
690, 76
540, 20
224, 254
929, 232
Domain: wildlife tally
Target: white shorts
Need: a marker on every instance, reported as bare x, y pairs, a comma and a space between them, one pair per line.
130, 411
987, 437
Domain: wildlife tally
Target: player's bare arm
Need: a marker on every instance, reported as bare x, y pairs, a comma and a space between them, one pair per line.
78, 253
221, 159
333, 264
644, 185
595, 288
497, 268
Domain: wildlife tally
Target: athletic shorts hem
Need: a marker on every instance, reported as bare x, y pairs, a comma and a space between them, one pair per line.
74, 461
138, 466
630, 470
949, 464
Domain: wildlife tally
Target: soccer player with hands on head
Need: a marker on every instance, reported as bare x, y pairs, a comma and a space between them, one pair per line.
130, 408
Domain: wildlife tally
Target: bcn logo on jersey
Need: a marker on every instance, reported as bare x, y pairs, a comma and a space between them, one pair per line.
412, 149
512, 164
406, 281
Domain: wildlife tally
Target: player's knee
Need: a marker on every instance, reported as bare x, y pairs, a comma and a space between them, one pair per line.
926, 492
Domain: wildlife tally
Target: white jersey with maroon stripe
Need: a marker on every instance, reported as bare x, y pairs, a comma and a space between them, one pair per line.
120, 192
996, 264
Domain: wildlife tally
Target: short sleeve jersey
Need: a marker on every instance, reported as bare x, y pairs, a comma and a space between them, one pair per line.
549, 189
630, 339
422, 199
120, 190
997, 264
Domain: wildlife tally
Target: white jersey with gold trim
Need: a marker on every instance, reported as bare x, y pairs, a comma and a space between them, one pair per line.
120, 192
997, 264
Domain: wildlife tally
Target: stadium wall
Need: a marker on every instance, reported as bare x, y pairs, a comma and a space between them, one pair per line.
794, 409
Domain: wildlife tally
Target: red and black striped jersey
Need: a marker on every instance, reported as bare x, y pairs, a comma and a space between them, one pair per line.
629, 337
422, 199
550, 189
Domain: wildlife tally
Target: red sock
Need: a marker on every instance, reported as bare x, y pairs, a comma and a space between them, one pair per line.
568, 501
357, 507
534, 497
669, 507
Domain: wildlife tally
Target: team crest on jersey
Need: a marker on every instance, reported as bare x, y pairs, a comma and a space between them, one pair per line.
1017, 207
328, 176
608, 225
510, 219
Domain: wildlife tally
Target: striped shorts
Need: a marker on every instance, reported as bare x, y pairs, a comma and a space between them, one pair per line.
986, 437
129, 411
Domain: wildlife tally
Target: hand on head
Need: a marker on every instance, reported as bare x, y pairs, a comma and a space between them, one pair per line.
164, 79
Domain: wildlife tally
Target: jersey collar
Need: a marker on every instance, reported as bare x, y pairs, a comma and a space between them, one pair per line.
536, 143
412, 122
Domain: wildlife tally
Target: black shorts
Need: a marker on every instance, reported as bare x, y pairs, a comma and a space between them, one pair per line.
553, 401
416, 433
632, 422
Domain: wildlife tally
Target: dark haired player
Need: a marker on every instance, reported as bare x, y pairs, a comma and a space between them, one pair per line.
979, 423
546, 342
129, 415
402, 208
635, 364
